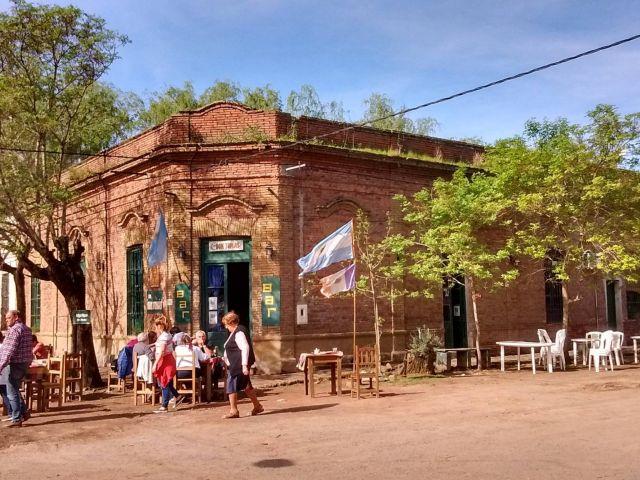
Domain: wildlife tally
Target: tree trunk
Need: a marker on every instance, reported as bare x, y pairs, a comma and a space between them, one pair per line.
474, 299
565, 313
82, 336
376, 317
21, 302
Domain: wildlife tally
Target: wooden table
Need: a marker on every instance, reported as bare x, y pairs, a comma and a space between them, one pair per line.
528, 345
635, 347
334, 360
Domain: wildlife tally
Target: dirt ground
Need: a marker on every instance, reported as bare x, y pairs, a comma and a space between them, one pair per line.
576, 424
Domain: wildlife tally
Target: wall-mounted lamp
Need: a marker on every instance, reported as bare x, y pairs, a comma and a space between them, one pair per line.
182, 253
269, 251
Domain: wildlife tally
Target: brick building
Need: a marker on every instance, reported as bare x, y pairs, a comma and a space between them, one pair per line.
238, 217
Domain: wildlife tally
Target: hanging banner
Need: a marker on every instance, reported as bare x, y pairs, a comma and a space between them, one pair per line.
183, 303
270, 301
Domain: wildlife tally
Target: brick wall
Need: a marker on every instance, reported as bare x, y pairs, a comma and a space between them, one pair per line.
210, 191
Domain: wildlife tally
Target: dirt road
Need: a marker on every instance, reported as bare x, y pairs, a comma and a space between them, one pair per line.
576, 424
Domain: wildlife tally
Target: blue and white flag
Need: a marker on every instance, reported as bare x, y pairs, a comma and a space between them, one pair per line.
341, 281
158, 249
334, 248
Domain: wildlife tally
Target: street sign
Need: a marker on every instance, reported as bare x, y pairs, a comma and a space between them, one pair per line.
81, 317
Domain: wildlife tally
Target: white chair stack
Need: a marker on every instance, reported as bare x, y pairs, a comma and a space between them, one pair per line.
602, 349
557, 349
618, 341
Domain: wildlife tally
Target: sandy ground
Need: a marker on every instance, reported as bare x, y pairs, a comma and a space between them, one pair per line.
576, 424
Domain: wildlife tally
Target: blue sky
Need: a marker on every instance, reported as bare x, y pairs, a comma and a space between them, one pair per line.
414, 51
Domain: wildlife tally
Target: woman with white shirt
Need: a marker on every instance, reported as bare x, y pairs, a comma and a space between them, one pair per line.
238, 355
184, 357
164, 366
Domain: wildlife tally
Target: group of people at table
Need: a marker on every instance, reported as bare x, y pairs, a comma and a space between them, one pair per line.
172, 353
19, 348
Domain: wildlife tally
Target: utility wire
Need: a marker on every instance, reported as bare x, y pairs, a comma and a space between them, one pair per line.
372, 121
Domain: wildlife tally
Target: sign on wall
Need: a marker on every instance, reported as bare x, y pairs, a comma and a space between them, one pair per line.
154, 301
182, 306
226, 245
270, 301
81, 317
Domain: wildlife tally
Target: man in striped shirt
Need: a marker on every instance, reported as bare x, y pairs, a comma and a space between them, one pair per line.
16, 355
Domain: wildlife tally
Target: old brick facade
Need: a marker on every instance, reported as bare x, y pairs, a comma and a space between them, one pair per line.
218, 173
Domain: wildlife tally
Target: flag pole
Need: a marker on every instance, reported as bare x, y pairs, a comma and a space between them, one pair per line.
355, 287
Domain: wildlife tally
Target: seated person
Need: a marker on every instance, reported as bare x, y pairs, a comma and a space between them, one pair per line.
177, 335
39, 350
184, 358
201, 342
217, 368
144, 345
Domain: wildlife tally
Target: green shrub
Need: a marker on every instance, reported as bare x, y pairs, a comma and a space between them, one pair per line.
424, 342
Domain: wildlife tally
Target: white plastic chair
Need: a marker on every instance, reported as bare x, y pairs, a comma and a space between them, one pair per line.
618, 341
557, 349
602, 349
543, 337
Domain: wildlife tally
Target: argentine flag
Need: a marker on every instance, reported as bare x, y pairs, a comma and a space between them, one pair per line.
334, 248
341, 281
158, 249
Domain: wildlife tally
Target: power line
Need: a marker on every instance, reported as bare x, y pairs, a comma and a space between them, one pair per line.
367, 122
461, 93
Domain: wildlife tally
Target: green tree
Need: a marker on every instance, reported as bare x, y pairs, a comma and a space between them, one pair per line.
50, 60
447, 242
307, 102
379, 105
262, 98
162, 105
575, 203
221, 91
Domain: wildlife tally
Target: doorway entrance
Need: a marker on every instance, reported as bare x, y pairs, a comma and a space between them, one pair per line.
612, 318
225, 285
455, 313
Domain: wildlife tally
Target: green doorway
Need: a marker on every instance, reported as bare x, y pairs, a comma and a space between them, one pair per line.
454, 313
225, 285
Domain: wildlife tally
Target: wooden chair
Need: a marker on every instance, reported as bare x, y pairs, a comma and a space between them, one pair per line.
142, 388
54, 386
188, 386
72, 376
366, 366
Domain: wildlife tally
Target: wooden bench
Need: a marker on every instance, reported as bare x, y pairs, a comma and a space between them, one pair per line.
463, 357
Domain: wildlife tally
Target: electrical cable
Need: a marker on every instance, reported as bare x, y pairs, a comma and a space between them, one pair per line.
385, 117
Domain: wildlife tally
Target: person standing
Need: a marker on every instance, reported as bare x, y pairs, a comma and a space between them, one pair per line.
164, 366
16, 355
238, 355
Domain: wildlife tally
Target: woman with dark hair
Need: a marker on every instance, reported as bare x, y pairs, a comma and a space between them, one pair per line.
238, 355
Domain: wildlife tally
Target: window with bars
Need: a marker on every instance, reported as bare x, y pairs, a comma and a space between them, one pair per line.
633, 305
35, 304
552, 292
135, 295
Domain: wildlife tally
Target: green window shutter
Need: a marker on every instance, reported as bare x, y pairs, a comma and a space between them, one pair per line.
135, 298
35, 304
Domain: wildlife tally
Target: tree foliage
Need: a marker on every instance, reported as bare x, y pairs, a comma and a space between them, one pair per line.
379, 105
307, 102
50, 60
447, 240
574, 199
